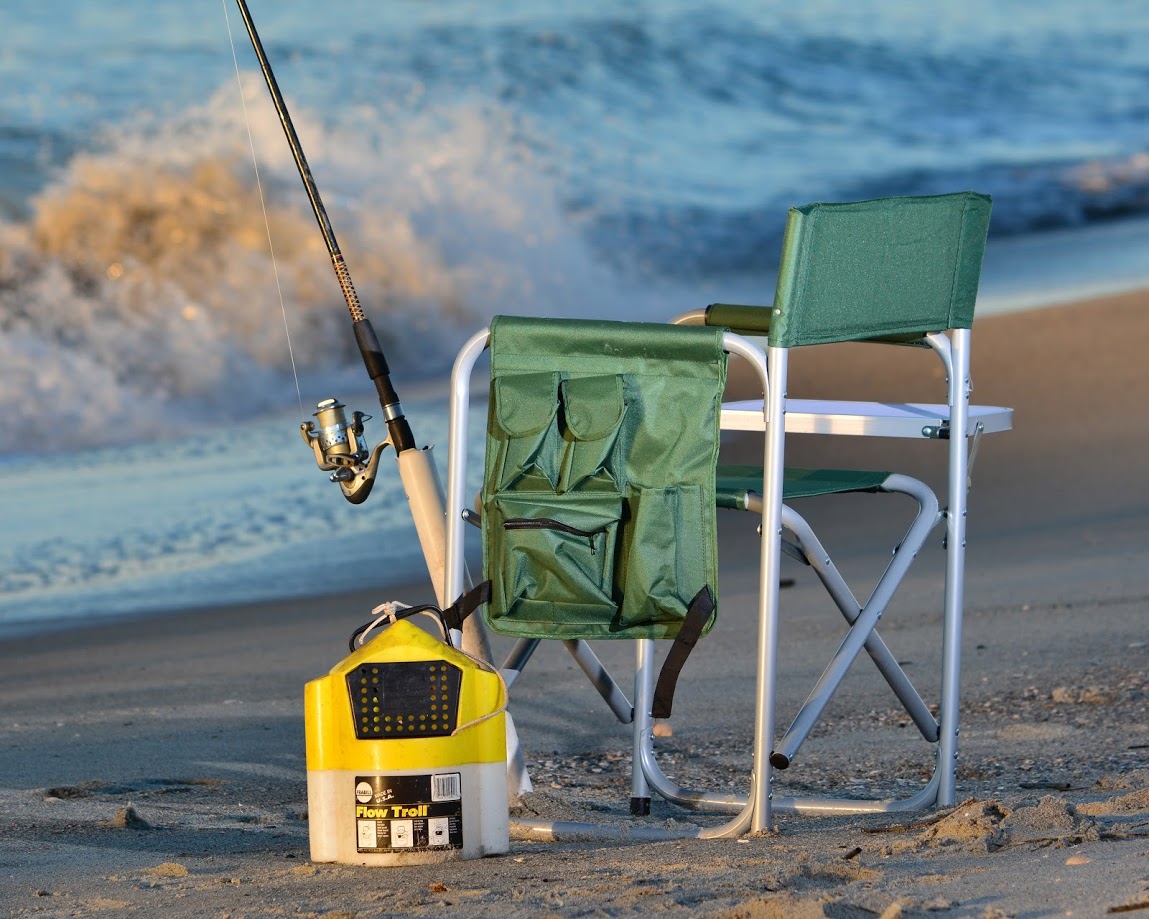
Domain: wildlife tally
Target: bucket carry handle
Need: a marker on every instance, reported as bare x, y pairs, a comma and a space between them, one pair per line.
391, 612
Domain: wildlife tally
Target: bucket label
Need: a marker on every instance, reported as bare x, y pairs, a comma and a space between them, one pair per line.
397, 813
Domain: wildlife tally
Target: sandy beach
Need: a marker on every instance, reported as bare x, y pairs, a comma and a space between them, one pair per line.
155, 766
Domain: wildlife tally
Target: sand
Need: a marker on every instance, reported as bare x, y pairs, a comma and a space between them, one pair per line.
155, 766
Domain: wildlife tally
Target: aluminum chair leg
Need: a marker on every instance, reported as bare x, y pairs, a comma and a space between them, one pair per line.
689, 798
587, 660
959, 393
811, 551
823, 806
877, 649
514, 662
600, 679
770, 566
642, 729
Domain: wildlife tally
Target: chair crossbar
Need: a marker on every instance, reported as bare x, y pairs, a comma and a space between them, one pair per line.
863, 620
588, 662
812, 553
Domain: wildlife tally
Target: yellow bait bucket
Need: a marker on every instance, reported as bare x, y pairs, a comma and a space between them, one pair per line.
406, 754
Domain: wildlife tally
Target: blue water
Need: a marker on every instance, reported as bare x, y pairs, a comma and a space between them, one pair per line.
627, 160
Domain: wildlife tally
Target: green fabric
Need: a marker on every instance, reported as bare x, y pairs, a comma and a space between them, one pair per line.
888, 266
734, 481
599, 492
755, 320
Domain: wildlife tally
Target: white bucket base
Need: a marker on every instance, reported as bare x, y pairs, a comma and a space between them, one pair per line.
359, 817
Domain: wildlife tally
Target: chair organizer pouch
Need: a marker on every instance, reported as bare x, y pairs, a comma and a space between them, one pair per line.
598, 495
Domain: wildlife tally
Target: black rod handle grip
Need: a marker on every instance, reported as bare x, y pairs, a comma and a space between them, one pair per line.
376, 364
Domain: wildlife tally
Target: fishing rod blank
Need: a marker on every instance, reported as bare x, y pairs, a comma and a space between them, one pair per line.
398, 430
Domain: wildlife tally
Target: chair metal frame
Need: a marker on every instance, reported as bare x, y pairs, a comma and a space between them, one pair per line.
755, 811
951, 422
899, 271
954, 350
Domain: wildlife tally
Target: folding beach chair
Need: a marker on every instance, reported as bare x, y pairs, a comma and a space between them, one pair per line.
898, 271
901, 271
598, 497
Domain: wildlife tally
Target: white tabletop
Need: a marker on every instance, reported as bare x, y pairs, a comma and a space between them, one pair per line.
871, 419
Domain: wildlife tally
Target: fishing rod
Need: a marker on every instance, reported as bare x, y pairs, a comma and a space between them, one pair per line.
338, 444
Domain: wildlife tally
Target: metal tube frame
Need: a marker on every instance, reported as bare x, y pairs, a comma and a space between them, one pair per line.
823, 566
953, 349
863, 621
959, 387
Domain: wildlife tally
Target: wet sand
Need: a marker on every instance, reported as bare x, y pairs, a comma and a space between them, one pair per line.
155, 766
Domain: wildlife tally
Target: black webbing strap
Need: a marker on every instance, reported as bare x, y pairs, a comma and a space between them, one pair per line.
697, 615
457, 612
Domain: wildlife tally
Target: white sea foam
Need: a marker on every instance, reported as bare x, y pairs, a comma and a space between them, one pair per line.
141, 297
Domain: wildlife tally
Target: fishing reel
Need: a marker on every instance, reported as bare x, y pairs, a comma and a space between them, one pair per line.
339, 446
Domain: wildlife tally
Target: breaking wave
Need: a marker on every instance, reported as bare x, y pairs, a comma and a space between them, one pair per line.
141, 295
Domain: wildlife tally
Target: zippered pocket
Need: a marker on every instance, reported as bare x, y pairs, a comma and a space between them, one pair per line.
549, 523
553, 560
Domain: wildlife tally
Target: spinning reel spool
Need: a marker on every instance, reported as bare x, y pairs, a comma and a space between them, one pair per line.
341, 449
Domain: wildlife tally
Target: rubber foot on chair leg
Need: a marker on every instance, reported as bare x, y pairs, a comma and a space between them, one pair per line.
779, 760
640, 807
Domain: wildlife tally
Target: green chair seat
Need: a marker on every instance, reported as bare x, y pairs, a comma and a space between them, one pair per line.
734, 481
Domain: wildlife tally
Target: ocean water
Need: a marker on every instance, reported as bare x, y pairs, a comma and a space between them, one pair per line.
602, 159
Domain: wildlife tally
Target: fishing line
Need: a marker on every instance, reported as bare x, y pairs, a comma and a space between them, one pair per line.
263, 206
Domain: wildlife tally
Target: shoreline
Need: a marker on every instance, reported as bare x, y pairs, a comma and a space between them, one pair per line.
1057, 267
1017, 322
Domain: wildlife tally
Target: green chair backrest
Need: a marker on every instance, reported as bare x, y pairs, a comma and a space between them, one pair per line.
882, 267
870, 269
598, 495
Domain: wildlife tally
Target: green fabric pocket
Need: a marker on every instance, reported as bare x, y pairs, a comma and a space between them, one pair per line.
592, 406
525, 403
598, 492
525, 433
593, 409
665, 558
552, 562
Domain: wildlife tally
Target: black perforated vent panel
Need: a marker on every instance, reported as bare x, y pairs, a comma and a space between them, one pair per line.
403, 700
